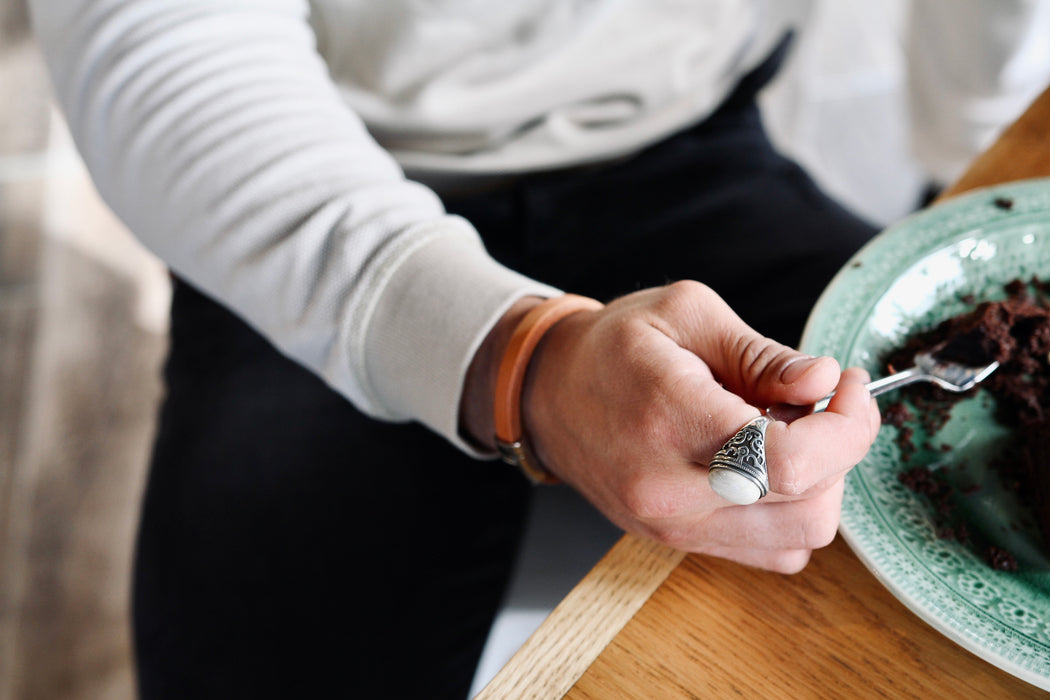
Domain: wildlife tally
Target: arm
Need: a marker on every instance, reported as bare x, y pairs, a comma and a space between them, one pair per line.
212, 129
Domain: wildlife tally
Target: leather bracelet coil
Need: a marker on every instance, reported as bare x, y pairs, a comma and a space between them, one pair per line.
510, 438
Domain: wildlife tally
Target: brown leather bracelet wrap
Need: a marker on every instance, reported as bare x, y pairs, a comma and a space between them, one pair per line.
510, 439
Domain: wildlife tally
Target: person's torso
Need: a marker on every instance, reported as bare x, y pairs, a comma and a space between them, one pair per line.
485, 86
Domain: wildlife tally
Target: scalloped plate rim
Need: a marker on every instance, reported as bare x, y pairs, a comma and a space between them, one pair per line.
857, 542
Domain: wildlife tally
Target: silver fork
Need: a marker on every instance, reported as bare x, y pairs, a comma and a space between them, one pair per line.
951, 376
738, 471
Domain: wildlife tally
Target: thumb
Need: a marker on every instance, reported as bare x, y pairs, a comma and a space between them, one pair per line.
766, 373
758, 369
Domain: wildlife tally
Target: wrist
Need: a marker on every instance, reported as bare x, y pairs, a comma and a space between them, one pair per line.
476, 408
511, 439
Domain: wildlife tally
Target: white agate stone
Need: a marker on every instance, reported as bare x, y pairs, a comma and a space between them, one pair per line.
734, 487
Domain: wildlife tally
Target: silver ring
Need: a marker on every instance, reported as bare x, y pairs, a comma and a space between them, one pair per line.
738, 471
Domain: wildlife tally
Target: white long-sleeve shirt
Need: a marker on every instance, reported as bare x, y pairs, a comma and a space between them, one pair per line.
259, 147
230, 137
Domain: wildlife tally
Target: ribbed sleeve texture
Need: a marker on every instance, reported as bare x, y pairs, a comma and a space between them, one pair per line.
213, 130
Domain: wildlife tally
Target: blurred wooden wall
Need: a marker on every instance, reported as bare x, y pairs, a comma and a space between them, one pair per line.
81, 342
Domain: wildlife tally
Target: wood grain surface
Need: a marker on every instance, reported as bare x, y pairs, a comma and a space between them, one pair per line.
716, 629
589, 617
832, 631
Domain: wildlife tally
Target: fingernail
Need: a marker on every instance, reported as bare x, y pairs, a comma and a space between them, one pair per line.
794, 370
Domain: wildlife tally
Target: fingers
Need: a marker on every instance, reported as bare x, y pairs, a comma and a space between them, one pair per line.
800, 455
777, 536
756, 368
803, 454
802, 524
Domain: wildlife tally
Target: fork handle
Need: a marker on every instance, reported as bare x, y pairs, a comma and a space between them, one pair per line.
894, 381
787, 412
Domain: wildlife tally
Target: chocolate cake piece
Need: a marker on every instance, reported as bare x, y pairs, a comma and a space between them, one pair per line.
1016, 332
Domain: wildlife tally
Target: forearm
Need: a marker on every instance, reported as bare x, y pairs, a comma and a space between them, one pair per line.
212, 129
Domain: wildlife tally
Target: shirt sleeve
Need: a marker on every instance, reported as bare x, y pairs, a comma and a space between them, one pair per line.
974, 66
212, 129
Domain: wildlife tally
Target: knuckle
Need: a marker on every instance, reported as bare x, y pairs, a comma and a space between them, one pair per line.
759, 357
751, 349
622, 332
784, 478
681, 295
687, 289
819, 532
647, 501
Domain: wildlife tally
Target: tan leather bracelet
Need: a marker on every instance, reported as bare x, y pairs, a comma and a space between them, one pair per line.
510, 439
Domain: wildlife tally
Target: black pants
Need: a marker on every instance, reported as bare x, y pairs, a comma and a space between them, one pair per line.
290, 547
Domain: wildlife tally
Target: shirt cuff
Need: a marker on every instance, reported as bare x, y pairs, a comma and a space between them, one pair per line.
431, 315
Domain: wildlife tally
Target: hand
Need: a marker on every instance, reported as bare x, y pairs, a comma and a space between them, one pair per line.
629, 403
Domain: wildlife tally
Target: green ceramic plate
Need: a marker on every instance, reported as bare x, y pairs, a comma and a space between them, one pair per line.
908, 278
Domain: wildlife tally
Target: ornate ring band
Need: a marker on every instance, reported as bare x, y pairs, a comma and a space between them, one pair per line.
738, 471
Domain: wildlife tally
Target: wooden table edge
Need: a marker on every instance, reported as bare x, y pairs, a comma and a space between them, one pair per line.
582, 625
576, 632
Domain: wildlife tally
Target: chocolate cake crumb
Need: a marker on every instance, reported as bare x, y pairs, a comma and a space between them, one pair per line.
905, 442
921, 480
1000, 559
1016, 289
896, 414
955, 533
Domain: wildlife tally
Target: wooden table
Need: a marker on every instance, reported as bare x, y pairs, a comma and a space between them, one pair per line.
649, 622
